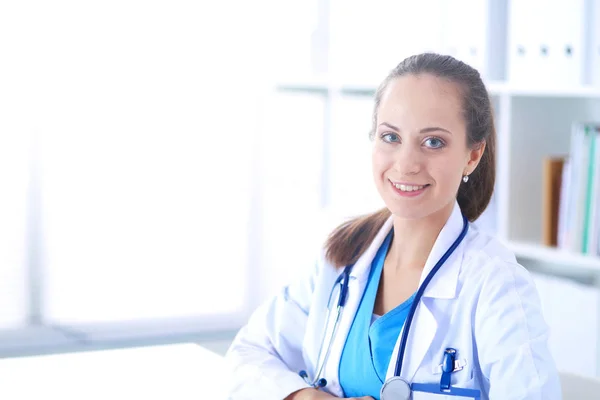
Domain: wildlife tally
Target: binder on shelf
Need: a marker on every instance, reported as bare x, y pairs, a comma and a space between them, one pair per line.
594, 43
579, 196
547, 42
579, 157
590, 139
593, 234
564, 30
552, 180
564, 206
523, 38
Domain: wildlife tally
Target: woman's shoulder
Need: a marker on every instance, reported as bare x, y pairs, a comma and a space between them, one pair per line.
487, 257
482, 243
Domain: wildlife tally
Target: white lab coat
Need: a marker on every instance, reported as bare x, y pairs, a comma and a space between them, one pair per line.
481, 302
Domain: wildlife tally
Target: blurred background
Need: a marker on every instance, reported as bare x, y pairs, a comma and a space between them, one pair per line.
167, 166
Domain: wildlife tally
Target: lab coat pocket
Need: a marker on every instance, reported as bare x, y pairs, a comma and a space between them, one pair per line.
419, 395
435, 396
462, 378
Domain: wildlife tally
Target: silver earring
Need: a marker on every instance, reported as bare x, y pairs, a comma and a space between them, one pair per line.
465, 178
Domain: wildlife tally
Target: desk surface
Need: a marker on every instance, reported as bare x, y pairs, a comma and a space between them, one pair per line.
182, 371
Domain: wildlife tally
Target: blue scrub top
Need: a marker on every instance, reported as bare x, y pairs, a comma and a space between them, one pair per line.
369, 346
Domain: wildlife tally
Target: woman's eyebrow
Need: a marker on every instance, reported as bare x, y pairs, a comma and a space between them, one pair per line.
424, 130
433, 129
389, 126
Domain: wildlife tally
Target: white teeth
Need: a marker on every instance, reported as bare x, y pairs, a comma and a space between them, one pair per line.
407, 188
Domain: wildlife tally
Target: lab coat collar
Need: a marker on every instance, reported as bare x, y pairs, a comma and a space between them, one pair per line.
444, 283
362, 267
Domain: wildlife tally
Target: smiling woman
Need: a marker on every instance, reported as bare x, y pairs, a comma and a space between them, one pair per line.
412, 299
428, 151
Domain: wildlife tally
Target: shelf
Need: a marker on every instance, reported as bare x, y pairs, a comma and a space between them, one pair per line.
555, 91
324, 87
494, 87
303, 85
356, 89
558, 262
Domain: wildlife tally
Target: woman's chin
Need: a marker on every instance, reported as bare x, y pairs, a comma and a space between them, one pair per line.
408, 211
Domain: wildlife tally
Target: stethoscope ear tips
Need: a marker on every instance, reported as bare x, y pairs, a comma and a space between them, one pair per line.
321, 383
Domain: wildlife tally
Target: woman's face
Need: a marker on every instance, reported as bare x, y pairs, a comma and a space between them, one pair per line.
420, 151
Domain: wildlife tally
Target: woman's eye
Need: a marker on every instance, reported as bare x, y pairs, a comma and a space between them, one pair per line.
390, 138
434, 143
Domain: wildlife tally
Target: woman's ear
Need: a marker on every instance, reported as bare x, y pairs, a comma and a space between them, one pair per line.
475, 155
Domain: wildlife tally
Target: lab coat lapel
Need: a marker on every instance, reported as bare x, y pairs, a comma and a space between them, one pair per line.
443, 286
356, 287
444, 283
422, 332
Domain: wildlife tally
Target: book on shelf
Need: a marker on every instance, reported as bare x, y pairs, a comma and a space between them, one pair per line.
552, 180
571, 193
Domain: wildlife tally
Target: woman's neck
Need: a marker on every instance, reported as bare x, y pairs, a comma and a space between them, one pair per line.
414, 239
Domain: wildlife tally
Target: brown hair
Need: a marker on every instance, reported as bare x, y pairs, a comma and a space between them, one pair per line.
348, 242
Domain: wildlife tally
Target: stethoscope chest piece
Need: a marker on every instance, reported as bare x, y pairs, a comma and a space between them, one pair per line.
395, 388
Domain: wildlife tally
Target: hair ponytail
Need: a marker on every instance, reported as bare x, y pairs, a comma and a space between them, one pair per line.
349, 241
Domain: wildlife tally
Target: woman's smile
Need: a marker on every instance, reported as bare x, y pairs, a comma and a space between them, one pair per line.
408, 189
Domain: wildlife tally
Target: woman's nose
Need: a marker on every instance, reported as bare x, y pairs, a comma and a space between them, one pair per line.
408, 161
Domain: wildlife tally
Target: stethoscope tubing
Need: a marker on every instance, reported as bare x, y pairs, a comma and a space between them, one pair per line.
420, 292
342, 280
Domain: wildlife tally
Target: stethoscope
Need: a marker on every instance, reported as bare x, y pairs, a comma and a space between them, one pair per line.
342, 281
394, 388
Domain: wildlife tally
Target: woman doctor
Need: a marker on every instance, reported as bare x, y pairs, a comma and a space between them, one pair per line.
476, 322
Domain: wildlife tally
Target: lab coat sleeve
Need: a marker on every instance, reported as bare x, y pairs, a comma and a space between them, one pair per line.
266, 355
512, 337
